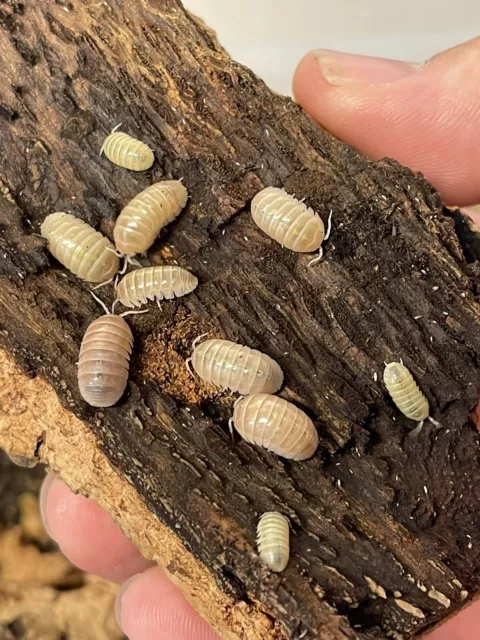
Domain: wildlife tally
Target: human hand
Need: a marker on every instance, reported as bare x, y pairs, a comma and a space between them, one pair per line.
428, 118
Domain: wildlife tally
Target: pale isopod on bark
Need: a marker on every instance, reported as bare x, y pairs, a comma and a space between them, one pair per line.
104, 361
289, 221
406, 394
85, 252
155, 283
105, 358
233, 366
273, 540
140, 222
127, 152
279, 426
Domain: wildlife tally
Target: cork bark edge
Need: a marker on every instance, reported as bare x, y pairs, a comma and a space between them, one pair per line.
30, 412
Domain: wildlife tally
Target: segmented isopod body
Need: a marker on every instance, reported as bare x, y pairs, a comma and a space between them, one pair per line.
85, 252
277, 425
155, 283
127, 152
287, 220
104, 361
273, 540
233, 366
405, 392
139, 223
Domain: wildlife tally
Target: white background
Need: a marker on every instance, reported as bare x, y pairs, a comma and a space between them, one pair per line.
270, 36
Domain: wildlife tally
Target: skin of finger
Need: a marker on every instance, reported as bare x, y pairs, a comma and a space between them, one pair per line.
153, 608
465, 626
427, 121
87, 535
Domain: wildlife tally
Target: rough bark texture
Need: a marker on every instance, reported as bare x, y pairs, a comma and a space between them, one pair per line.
385, 529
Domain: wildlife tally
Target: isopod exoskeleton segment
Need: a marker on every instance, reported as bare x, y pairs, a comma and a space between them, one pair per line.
85, 252
140, 222
127, 152
273, 540
233, 366
155, 283
275, 424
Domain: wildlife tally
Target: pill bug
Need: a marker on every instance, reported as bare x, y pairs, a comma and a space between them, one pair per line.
233, 366
104, 361
406, 394
155, 283
85, 252
140, 222
127, 152
273, 540
105, 358
277, 425
289, 221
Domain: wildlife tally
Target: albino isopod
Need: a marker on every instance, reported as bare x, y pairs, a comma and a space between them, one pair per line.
127, 152
151, 283
233, 366
85, 252
104, 361
406, 394
277, 425
139, 223
289, 221
273, 540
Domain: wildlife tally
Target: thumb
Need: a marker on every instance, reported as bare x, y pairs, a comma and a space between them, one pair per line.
425, 116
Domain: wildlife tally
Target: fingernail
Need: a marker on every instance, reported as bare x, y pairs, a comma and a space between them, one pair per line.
121, 592
339, 69
43, 501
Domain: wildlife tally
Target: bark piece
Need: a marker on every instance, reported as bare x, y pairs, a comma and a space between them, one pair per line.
373, 512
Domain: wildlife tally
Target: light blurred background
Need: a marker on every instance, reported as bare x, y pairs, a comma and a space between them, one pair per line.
270, 36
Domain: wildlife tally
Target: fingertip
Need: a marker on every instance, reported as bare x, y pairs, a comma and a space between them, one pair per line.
151, 606
87, 535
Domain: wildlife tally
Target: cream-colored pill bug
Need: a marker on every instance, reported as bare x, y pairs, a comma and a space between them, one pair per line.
127, 152
104, 361
273, 540
140, 222
289, 221
405, 392
85, 252
155, 283
276, 425
233, 366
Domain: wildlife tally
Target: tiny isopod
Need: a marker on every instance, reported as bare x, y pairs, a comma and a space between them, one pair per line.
279, 426
127, 152
85, 252
140, 222
233, 366
289, 221
406, 394
155, 283
273, 540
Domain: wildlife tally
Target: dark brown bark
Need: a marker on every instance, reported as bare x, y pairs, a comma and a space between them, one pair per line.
374, 514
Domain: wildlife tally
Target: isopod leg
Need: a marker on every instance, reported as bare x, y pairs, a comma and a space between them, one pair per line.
416, 431
317, 259
133, 262
102, 284
101, 303
197, 340
329, 226
230, 427
189, 367
437, 424
158, 304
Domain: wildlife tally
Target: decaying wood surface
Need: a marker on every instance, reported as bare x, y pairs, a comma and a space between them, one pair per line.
385, 529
